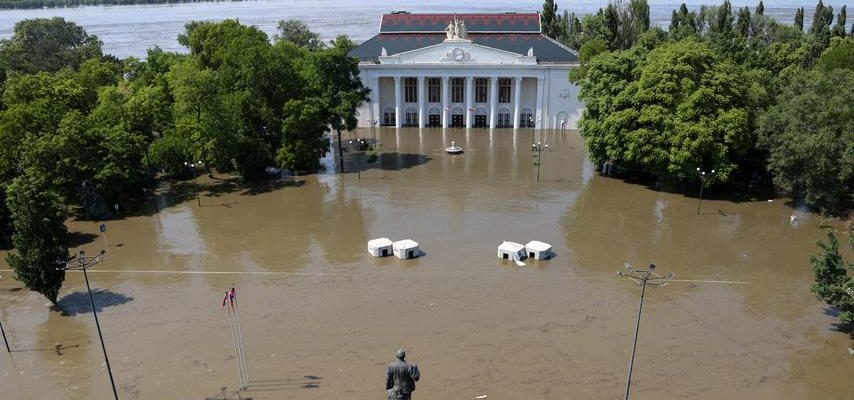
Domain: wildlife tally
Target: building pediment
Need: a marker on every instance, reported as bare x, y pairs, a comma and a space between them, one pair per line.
458, 51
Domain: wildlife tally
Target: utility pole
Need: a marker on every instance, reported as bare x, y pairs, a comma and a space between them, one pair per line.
642, 278
703, 177
82, 263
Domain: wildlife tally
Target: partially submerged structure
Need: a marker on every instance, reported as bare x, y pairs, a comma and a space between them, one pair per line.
538, 250
511, 251
380, 247
406, 249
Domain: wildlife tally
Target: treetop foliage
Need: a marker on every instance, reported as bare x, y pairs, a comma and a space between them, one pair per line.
71, 116
758, 101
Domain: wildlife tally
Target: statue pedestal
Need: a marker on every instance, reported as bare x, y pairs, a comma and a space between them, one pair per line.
457, 41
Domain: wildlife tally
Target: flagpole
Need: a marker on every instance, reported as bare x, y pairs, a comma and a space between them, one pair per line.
234, 342
240, 338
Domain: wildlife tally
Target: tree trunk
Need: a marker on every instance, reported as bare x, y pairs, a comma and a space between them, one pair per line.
340, 153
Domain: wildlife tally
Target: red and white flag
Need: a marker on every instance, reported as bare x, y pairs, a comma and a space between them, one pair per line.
225, 299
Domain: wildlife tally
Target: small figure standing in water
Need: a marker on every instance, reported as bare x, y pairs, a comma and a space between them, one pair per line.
401, 378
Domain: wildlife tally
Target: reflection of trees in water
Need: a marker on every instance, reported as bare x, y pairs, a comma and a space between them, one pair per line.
614, 222
342, 234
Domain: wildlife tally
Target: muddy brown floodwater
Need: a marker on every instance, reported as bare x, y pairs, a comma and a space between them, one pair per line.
321, 318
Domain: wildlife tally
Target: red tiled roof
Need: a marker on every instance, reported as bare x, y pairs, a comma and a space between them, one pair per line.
503, 22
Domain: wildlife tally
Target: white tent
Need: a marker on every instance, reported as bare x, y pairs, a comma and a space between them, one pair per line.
538, 250
406, 248
380, 247
511, 251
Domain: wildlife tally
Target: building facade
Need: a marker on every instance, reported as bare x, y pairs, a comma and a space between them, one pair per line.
467, 71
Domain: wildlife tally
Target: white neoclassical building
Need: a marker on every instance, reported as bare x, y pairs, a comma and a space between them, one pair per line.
467, 70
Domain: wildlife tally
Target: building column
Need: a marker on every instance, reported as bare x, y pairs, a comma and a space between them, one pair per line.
493, 100
517, 97
469, 98
397, 102
375, 100
445, 107
421, 101
538, 114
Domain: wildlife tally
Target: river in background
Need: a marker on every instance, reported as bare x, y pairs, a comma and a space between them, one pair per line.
131, 30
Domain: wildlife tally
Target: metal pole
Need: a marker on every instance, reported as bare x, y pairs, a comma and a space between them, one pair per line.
700, 202
635, 343
4, 338
196, 187
240, 341
100, 336
539, 161
236, 348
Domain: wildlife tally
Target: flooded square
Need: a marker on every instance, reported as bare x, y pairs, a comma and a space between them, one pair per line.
321, 317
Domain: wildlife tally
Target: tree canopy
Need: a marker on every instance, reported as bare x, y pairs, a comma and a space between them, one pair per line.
79, 129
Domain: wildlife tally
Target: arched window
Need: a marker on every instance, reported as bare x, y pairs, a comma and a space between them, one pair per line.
388, 117
562, 120
504, 118
526, 118
411, 117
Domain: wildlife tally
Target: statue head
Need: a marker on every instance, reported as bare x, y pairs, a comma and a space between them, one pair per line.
400, 354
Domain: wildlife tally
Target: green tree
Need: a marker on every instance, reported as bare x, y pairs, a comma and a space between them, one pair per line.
39, 221
839, 28
334, 77
549, 19
671, 110
48, 45
304, 142
760, 8
743, 23
809, 139
833, 284
297, 32
839, 55
799, 18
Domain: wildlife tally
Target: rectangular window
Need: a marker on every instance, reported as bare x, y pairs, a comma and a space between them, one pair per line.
434, 91
458, 90
481, 86
410, 89
504, 90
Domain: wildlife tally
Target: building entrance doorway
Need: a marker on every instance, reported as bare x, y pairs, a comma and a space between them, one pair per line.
434, 121
456, 121
480, 121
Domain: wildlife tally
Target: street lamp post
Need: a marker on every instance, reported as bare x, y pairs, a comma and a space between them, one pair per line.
703, 177
642, 278
360, 143
195, 183
82, 263
539, 147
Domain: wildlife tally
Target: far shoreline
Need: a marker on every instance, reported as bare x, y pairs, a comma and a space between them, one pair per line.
60, 4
